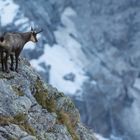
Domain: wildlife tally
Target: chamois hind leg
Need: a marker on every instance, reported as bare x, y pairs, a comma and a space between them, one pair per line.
16, 57
12, 62
2, 60
6, 62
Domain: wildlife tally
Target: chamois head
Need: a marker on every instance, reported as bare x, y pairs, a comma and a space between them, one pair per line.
34, 32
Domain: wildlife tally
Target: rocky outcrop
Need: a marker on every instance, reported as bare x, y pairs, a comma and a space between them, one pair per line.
31, 109
108, 31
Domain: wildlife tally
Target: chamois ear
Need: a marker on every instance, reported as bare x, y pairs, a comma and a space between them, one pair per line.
31, 29
1, 38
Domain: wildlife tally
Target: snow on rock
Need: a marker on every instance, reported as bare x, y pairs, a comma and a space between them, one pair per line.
64, 57
22, 21
66, 20
66, 36
8, 10
137, 83
61, 64
10, 13
100, 137
112, 137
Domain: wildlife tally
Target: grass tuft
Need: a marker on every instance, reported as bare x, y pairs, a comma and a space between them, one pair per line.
20, 120
41, 96
18, 91
64, 118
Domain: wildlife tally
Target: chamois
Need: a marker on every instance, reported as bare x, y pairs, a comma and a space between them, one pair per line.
13, 43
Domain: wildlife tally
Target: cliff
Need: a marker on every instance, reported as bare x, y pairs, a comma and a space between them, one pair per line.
101, 38
31, 109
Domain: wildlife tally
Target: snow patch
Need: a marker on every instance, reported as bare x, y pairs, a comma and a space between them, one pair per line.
66, 37
137, 83
22, 20
100, 137
66, 19
8, 11
64, 57
112, 137
61, 64
36, 65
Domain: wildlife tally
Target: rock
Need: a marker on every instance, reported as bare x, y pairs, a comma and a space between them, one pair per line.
55, 135
21, 104
70, 77
45, 122
87, 135
65, 104
30, 109
15, 132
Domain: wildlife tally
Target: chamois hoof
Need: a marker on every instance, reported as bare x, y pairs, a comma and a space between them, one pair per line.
11, 68
17, 70
7, 71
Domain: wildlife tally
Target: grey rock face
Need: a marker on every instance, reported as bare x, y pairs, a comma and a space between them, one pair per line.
59, 133
84, 136
13, 132
33, 110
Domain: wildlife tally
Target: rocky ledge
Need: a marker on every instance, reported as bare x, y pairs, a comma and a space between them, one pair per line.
30, 109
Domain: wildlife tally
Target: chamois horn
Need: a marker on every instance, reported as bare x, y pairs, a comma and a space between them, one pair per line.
41, 30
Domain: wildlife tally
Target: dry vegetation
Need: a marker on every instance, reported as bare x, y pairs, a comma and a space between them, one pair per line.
41, 96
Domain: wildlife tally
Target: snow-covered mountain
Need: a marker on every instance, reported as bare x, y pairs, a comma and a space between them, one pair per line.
89, 49
66, 69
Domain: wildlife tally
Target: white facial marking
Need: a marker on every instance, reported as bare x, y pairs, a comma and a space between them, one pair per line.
32, 38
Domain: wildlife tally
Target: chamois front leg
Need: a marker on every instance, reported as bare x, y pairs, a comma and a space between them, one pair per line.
6, 61
16, 57
2, 60
12, 62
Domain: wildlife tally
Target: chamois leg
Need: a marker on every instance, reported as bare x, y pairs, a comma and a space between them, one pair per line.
2, 61
12, 62
6, 62
16, 57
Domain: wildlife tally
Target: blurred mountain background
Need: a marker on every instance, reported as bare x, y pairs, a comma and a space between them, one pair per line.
90, 50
